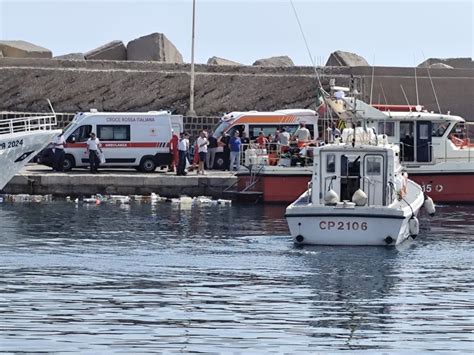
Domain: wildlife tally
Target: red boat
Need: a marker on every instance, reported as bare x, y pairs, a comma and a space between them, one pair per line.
435, 149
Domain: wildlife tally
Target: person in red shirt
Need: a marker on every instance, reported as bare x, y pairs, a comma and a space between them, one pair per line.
261, 140
174, 152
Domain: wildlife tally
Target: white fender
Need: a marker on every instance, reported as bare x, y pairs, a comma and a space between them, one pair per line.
414, 226
331, 197
359, 198
429, 206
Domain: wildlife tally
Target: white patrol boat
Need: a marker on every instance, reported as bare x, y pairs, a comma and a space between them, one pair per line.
20, 140
358, 195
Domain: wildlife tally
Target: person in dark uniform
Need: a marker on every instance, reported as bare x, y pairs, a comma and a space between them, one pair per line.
224, 141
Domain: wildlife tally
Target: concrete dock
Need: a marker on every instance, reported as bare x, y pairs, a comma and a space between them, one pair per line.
39, 179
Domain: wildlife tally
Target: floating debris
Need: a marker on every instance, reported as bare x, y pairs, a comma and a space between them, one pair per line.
26, 198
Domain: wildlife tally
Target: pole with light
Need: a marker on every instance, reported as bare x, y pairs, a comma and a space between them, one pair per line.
191, 111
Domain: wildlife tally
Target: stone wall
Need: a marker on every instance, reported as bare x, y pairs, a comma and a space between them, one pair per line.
147, 86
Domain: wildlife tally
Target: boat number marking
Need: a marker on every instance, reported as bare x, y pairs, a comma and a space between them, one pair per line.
431, 187
333, 225
11, 144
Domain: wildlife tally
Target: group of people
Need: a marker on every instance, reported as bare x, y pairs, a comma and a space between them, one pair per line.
205, 149
93, 147
283, 138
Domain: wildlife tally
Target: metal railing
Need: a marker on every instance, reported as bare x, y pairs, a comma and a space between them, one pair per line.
273, 153
26, 124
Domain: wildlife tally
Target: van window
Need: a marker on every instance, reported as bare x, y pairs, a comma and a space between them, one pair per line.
113, 132
81, 134
254, 130
291, 129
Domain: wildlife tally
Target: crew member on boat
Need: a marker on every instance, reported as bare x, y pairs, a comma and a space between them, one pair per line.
302, 135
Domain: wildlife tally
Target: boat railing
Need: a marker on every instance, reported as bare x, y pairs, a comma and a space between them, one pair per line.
274, 153
27, 124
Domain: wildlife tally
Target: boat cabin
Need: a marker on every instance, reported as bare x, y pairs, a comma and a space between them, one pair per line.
341, 170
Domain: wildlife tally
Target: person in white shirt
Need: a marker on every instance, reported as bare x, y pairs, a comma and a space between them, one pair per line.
284, 140
202, 143
183, 148
302, 134
58, 158
93, 149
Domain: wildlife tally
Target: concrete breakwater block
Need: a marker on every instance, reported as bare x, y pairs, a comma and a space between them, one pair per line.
346, 59
23, 49
153, 47
221, 61
71, 56
114, 50
281, 61
457, 63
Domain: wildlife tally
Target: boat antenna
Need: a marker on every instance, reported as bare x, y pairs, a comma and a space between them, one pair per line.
307, 47
405, 95
416, 82
372, 81
432, 85
51, 106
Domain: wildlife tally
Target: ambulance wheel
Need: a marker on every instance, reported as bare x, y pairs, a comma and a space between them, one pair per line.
69, 162
148, 164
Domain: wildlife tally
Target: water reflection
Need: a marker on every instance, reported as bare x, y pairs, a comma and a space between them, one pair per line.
154, 278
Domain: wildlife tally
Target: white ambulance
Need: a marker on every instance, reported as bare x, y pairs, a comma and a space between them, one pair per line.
254, 122
129, 139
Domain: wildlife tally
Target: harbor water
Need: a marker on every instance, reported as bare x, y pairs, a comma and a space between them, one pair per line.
180, 278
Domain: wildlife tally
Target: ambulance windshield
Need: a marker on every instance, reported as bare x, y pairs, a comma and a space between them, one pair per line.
221, 128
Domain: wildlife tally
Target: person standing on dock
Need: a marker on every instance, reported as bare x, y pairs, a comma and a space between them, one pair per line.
58, 158
202, 143
223, 141
211, 151
93, 149
183, 148
174, 153
235, 144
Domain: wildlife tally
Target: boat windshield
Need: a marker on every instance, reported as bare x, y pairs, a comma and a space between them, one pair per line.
221, 128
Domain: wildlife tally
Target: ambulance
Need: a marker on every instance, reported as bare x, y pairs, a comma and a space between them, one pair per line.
128, 139
253, 122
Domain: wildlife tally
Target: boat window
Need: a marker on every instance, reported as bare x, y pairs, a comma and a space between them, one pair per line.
331, 163
459, 130
374, 166
113, 132
439, 128
423, 131
387, 128
81, 134
407, 141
